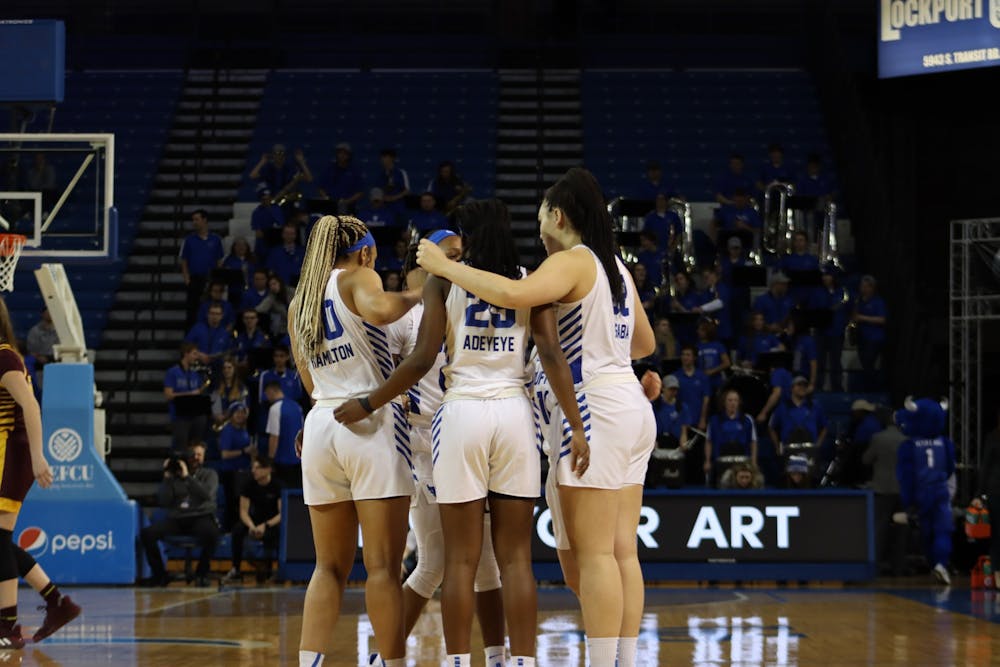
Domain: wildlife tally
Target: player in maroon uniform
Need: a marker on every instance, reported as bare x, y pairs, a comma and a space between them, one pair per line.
22, 462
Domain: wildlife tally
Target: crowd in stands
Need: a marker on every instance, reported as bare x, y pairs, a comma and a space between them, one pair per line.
747, 337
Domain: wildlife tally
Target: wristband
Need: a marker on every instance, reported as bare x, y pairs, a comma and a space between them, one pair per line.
366, 405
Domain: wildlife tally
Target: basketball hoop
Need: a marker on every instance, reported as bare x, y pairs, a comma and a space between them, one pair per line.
10, 252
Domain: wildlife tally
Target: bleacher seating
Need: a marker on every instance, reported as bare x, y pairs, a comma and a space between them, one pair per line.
690, 121
138, 108
427, 117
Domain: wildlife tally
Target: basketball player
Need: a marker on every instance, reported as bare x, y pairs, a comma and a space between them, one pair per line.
351, 475
424, 399
22, 462
483, 440
596, 305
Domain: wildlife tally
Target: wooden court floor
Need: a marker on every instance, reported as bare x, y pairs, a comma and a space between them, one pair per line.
912, 624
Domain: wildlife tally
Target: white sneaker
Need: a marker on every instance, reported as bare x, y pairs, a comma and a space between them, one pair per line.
941, 574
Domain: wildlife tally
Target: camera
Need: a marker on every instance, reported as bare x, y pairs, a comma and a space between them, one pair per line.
173, 465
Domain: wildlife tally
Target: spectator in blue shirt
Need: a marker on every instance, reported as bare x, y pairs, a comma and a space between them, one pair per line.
802, 345
651, 256
654, 184
428, 218
284, 421
394, 182
665, 223
285, 261
283, 373
646, 291
730, 434
212, 339
672, 416
717, 304
228, 389
242, 259
780, 383
378, 214
739, 306
757, 341
814, 183
394, 259
733, 179
685, 299
281, 176
273, 308
695, 387
235, 451
830, 341
870, 316
183, 380
344, 182
713, 357
740, 215
200, 253
775, 169
775, 304
798, 420
251, 338
217, 297
448, 187
799, 259
267, 216
257, 290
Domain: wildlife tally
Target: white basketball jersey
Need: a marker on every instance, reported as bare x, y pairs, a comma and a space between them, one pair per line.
355, 358
426, 395
596, 335
548, 416
485, 347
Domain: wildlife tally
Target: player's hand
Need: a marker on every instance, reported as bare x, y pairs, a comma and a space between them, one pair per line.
43, 473
431, 258
350, 412
298, 444
579, 452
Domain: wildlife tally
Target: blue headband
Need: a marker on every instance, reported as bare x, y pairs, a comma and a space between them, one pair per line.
366, 241
440, 235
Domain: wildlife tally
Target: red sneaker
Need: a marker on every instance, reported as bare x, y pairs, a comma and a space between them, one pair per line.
11, 639
56, 616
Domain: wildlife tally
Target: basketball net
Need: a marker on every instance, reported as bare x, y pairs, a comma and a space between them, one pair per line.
10, 252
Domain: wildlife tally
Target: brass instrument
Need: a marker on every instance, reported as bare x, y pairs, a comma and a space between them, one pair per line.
778, 223
828, 236
686, 247
217, 428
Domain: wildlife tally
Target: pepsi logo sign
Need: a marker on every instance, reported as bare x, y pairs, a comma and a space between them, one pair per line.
33, 540
65, 445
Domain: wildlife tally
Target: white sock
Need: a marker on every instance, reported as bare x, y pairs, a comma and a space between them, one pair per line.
397, 662
626, 651
521, 661
310, 659
496, 656
458, 660
603, 651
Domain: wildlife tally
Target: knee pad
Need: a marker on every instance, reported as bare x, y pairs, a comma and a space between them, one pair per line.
8, 564
427, 576
25, 563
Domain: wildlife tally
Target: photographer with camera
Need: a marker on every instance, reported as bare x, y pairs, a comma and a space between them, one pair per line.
188, 493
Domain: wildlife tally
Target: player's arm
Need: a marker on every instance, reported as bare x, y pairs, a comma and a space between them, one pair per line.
552, 281
546, 337
415, 366
374, 304
17, 386
643, 341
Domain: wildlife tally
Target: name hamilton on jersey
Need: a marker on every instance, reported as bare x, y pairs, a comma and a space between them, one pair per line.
333, 355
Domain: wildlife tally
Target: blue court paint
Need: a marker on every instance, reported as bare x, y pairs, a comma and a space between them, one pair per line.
984, 605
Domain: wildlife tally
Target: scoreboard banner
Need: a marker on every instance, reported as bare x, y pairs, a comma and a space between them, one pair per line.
923, 36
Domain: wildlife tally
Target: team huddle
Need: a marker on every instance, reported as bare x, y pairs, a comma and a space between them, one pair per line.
437, 403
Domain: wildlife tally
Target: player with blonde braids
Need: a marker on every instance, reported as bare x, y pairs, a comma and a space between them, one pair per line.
358, 474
